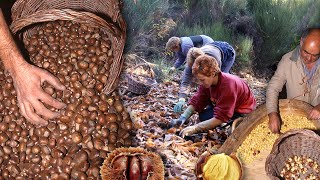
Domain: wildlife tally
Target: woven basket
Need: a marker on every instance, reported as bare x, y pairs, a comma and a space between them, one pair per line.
27, 16
140, 87
296, 142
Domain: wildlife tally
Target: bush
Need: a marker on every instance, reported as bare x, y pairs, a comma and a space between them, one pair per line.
216, 31
139, 16
278, 21
245, 54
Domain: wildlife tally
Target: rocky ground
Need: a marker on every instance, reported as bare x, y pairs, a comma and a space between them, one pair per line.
152, 112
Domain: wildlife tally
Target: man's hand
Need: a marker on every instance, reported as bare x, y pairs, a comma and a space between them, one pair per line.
274, 122
27, 81
179, 106
314, 113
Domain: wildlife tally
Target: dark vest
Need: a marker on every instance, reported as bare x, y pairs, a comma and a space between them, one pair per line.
196, 40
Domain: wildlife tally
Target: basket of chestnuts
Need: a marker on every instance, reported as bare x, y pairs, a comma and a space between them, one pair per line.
141, 79
98, 31
81, 43
295, 155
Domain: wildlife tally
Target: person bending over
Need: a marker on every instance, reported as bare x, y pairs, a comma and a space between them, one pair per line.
220, 97
223, 52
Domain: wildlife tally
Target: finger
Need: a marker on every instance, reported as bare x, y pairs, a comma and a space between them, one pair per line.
277, 128
42, 110
311, 115
54, 81
47, 99
23, 111
22, 107
33, 117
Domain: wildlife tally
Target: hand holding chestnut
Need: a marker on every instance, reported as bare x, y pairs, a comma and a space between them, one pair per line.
31, 96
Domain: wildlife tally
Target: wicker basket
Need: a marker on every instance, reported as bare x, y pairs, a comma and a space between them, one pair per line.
296, 142
140, 84
27, 16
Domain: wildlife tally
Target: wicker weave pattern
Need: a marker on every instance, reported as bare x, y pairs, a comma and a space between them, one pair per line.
139, 87
297, 142
103, 14
106, 8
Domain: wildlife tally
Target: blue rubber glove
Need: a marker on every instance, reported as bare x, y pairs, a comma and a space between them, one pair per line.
179, 106
177, 122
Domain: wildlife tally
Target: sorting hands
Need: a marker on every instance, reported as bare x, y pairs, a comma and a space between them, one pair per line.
314, 113
27, 81
274, 122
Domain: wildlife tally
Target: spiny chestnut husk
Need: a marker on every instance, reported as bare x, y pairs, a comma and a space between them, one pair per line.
132, 163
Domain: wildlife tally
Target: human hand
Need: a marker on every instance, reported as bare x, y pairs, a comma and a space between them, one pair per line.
177, 122
188, 131
274, 122
27, 81
314, 114
179, 106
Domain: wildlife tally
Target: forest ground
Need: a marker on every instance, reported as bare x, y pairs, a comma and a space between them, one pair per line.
152, 112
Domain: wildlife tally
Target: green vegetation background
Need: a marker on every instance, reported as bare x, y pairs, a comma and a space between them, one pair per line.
260, 30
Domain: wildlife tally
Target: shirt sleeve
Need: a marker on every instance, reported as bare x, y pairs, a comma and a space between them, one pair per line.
180, 60
201, 99
275, 86
185, 83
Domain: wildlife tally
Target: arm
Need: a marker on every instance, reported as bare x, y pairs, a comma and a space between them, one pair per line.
274, 88
180, 60
184, 89
28, 80
201, 127
185, 83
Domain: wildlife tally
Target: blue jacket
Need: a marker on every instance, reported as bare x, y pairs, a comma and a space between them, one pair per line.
187, 43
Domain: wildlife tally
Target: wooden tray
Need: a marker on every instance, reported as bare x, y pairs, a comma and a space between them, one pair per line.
256, 169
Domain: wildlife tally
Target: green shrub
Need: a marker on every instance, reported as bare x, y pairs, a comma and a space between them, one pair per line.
278, 21
216, 31
245, 54
230, 7
139, 16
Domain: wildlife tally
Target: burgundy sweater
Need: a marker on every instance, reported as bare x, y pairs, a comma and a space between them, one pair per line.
230, 95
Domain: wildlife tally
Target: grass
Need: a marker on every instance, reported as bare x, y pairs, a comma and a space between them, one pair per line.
245, 54
139, 16
278, 21
216, 31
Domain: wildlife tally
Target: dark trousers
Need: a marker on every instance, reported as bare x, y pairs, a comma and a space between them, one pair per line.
208, 114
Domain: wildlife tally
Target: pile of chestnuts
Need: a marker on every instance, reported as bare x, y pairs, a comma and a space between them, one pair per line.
300, 167
93, 124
